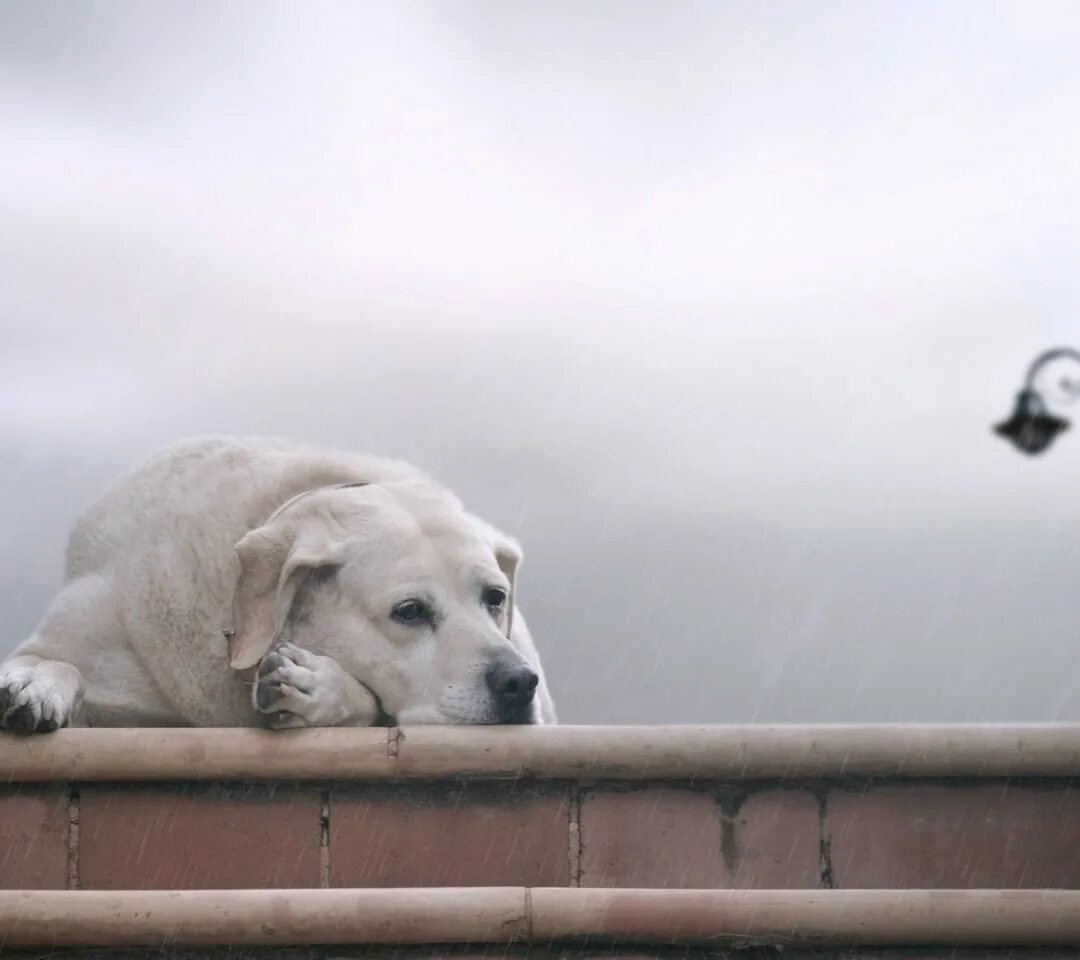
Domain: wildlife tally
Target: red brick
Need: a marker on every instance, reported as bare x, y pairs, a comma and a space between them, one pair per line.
435, 835
666, 837
777, 842
651, 838
961, 837
213, 837
33, 838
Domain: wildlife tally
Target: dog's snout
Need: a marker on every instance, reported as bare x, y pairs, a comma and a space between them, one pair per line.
513, 685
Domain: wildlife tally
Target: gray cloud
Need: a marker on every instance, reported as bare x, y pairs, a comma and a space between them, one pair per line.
711, 305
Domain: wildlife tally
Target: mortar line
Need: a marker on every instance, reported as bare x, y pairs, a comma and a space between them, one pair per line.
324, 839
574, 835
73, 838
825, 843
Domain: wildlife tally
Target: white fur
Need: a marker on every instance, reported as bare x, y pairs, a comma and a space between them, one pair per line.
214, 535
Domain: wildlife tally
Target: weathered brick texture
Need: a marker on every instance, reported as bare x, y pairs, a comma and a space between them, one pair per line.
669, 837
963, 836
445, 835
33, 838
201, 837
964, 833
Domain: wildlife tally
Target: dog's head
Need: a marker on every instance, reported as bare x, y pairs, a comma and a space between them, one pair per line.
405, 590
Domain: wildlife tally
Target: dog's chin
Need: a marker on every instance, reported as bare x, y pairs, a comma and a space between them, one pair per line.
518, 718
442, 716
515, 718
422, 716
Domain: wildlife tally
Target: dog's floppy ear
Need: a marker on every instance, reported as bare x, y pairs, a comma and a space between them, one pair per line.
508, 556
274, 560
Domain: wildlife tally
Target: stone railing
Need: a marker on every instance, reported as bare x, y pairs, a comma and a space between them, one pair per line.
860, 835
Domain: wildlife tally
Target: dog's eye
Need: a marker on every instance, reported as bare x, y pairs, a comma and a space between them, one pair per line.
494, 597
411, 612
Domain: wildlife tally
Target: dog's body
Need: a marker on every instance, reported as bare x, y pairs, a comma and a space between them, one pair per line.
359, 588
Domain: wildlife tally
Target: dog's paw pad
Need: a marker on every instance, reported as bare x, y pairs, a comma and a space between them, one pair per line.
282, 689
30, 706
271, 663
267, 694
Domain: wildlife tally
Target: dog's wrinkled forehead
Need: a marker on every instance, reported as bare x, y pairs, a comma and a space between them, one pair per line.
411, 517
293, 501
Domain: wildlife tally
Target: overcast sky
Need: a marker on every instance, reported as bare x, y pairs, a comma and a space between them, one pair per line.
711, 304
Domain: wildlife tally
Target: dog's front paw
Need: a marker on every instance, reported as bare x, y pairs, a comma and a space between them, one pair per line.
31, 703
297, 688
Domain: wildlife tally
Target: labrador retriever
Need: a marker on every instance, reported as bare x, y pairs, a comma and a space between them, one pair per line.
260, 582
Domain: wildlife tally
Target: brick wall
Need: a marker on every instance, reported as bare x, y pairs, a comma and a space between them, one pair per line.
962, 833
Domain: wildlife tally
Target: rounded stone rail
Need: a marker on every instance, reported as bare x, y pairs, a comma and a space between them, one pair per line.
945, 918
751, 752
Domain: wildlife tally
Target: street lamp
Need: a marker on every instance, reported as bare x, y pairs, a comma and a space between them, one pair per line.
1032, 427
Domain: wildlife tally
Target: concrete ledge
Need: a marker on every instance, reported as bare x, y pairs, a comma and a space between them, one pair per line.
589, 753
948, 918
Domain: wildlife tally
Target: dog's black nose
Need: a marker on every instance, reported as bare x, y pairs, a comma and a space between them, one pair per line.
512, 685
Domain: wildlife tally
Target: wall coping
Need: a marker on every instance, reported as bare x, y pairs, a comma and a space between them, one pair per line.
734, 752
951, 918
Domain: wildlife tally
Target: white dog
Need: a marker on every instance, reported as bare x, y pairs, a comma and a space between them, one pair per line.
360, 590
